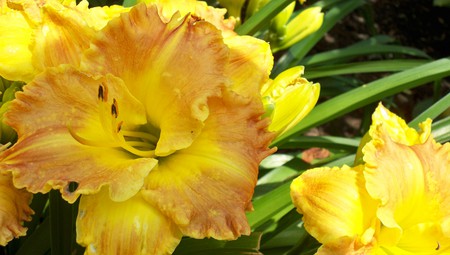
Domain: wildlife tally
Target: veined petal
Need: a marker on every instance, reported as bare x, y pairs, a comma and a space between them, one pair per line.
41, 34
167, 8
397, 127
160, 65
206, 188
98, 17
215, 16
250, 64
131, 227
336, 208
14, 210
65, 129
61, 37
411, 181
15, 56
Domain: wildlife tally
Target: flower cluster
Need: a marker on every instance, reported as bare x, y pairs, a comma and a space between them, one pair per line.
152, 114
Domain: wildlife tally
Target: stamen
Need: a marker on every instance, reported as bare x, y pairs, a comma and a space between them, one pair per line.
438, 246
114, 109
141, 144
137, 134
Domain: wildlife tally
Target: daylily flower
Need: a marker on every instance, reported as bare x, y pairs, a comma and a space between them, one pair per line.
39, 34
396, 202
288, 99
158, 134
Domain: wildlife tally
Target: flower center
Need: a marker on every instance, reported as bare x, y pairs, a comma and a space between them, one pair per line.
137, 142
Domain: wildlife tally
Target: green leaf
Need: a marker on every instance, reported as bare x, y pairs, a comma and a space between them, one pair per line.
262, 17
38, 243
433, 111
441, 130
245, 245
369, 93
364, 67
329, 142
266, 206
62, 221
129, 3
357, 50
441, 3
300, 49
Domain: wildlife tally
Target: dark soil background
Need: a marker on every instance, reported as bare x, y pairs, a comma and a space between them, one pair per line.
416, 24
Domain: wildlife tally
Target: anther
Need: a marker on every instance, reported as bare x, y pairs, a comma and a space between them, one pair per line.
119, 126
101, 96
438, 246
114, 109
102, 93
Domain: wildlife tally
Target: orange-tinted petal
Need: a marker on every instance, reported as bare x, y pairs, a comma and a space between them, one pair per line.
409, 176
131, 227
61, 36
215, 16
56, 107
336, 208
207, 187
14, 210
161, 65
250, 63
98, 17
397, 128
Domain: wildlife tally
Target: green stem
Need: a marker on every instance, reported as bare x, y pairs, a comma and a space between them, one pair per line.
62, 221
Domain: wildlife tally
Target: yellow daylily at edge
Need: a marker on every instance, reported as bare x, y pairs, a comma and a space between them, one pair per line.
404, 178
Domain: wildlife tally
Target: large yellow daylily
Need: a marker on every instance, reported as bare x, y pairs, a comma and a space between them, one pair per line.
39, 34
396, 202
157, 132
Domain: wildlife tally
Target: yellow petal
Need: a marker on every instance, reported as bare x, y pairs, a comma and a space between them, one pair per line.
234, 7
304, 24
56, 107
335, 206
206, 188
291, 97
14, 210
132, 227
250, 63
98, 17
61, 37
398, 129
167, 8
15, 56
172, 68
215, 16
411, 182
